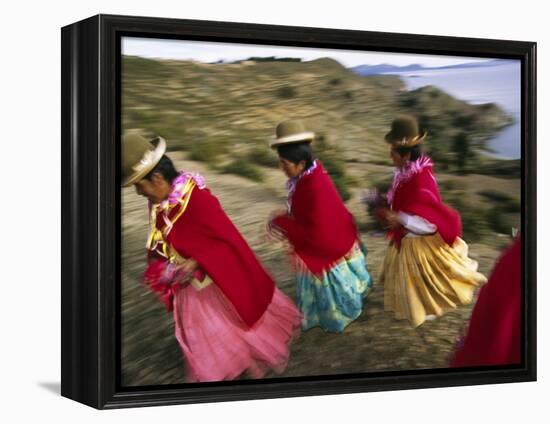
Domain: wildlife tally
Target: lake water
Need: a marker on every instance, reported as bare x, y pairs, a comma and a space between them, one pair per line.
491, 84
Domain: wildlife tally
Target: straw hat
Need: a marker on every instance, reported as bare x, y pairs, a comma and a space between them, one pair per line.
404, 132
291, 132
139, 157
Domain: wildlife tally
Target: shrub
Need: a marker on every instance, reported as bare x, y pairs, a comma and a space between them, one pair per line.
342, 188
243, 168
263, 157
461, 149
498, 221
449, 185
286, 92
334, 165
332, 158
501, 168
504, 201
474, 220
207, 150
352, 181
381, 162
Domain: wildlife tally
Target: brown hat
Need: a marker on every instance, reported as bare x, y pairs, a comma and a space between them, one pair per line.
404, 132
291, 132
139, 157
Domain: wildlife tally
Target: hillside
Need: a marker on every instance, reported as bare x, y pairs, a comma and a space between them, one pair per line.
236, 106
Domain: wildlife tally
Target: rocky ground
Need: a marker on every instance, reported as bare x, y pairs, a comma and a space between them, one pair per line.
375, 341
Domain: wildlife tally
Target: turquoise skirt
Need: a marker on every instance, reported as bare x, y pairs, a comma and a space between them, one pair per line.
334, 299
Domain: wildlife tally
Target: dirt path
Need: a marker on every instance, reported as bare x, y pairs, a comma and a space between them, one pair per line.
375, 341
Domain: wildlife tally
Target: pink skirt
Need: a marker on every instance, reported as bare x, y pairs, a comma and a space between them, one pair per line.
216, 343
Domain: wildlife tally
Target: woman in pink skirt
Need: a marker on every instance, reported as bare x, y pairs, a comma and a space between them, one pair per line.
230, 318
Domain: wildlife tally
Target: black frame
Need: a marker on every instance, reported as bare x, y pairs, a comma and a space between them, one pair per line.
90, 207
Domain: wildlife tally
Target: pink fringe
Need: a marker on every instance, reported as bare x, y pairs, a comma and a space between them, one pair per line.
402, 175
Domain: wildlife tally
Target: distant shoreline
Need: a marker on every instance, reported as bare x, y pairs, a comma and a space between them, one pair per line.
480, 89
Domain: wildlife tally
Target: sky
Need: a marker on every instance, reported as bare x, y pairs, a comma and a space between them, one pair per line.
201, 51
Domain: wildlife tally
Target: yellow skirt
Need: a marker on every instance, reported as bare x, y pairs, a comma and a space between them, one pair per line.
428, 277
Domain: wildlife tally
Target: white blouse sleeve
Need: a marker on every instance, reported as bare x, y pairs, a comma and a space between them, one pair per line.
416, 224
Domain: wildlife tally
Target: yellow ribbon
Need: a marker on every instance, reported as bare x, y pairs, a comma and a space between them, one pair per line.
157, 236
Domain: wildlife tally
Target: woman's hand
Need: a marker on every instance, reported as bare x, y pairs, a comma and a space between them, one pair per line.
189, 266
172, 273
392, 219
274, 230
387, 217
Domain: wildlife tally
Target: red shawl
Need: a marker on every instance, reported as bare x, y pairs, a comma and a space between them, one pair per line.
320, 228
419, 195
205, 233
494, 335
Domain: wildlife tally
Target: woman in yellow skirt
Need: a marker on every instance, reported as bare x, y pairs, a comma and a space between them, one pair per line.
426, 271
